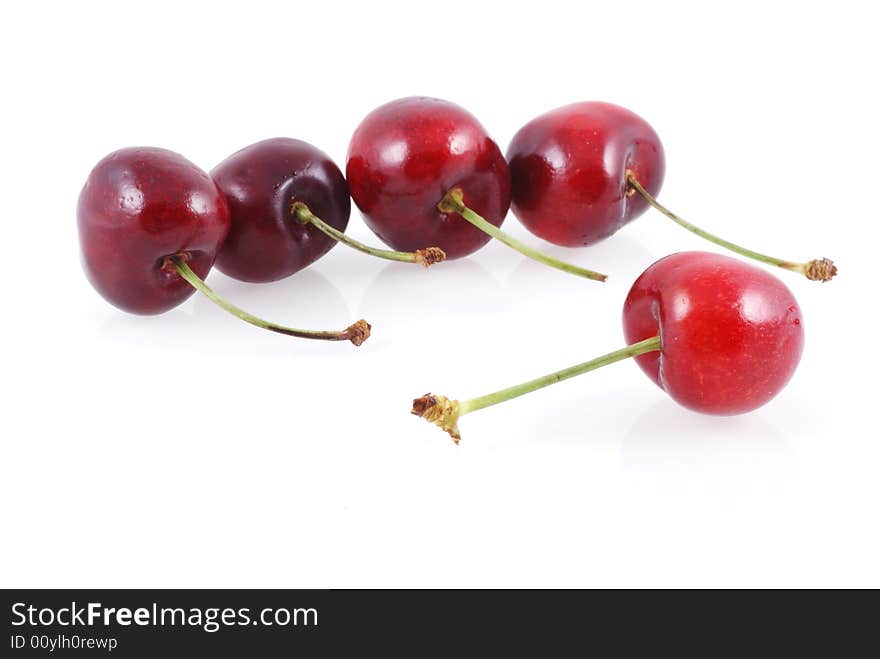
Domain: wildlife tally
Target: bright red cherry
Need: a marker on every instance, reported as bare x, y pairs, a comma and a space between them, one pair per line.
150, 225
139, 206
582, 171
424, 171
731, 334
288, 205
718, 335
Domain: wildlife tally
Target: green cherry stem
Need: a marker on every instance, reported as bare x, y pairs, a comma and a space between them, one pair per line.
356, 333
425, 257
453, 202
445, 412
815, 270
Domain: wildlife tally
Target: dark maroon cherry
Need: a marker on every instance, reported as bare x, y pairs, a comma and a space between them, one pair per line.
288, 204
581, 172
261, 182
150, 225
424, 171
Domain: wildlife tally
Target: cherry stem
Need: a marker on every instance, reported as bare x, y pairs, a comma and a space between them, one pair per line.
445, 412
815, 270
356, 333
453, 202
425, 257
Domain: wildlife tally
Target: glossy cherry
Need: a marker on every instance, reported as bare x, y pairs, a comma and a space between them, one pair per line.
731, 334
583, 171
718, 335
150, 225
424, 171
569, 171
139, 206
288, 205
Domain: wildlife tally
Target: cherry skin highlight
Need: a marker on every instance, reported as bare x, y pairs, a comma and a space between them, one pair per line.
406, 155
569, 170
139, 207
732, 334
261, 182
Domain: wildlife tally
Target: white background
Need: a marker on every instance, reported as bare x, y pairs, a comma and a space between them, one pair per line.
190, 449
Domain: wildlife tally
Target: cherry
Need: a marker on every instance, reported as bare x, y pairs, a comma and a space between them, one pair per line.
718, 335
288, 205
150, 225
424, 171
732, 334
582, 171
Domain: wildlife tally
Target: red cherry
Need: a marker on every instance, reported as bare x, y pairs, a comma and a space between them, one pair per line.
731, 334
569, 171
718, 335
288, 205
424, 171
150, 224
582, 171
406, 155
139, 206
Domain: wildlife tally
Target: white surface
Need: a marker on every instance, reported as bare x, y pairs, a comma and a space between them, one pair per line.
190, 449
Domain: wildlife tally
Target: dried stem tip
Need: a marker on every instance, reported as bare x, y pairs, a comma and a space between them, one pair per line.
440, 411
429, 256
358, 332
820, 270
